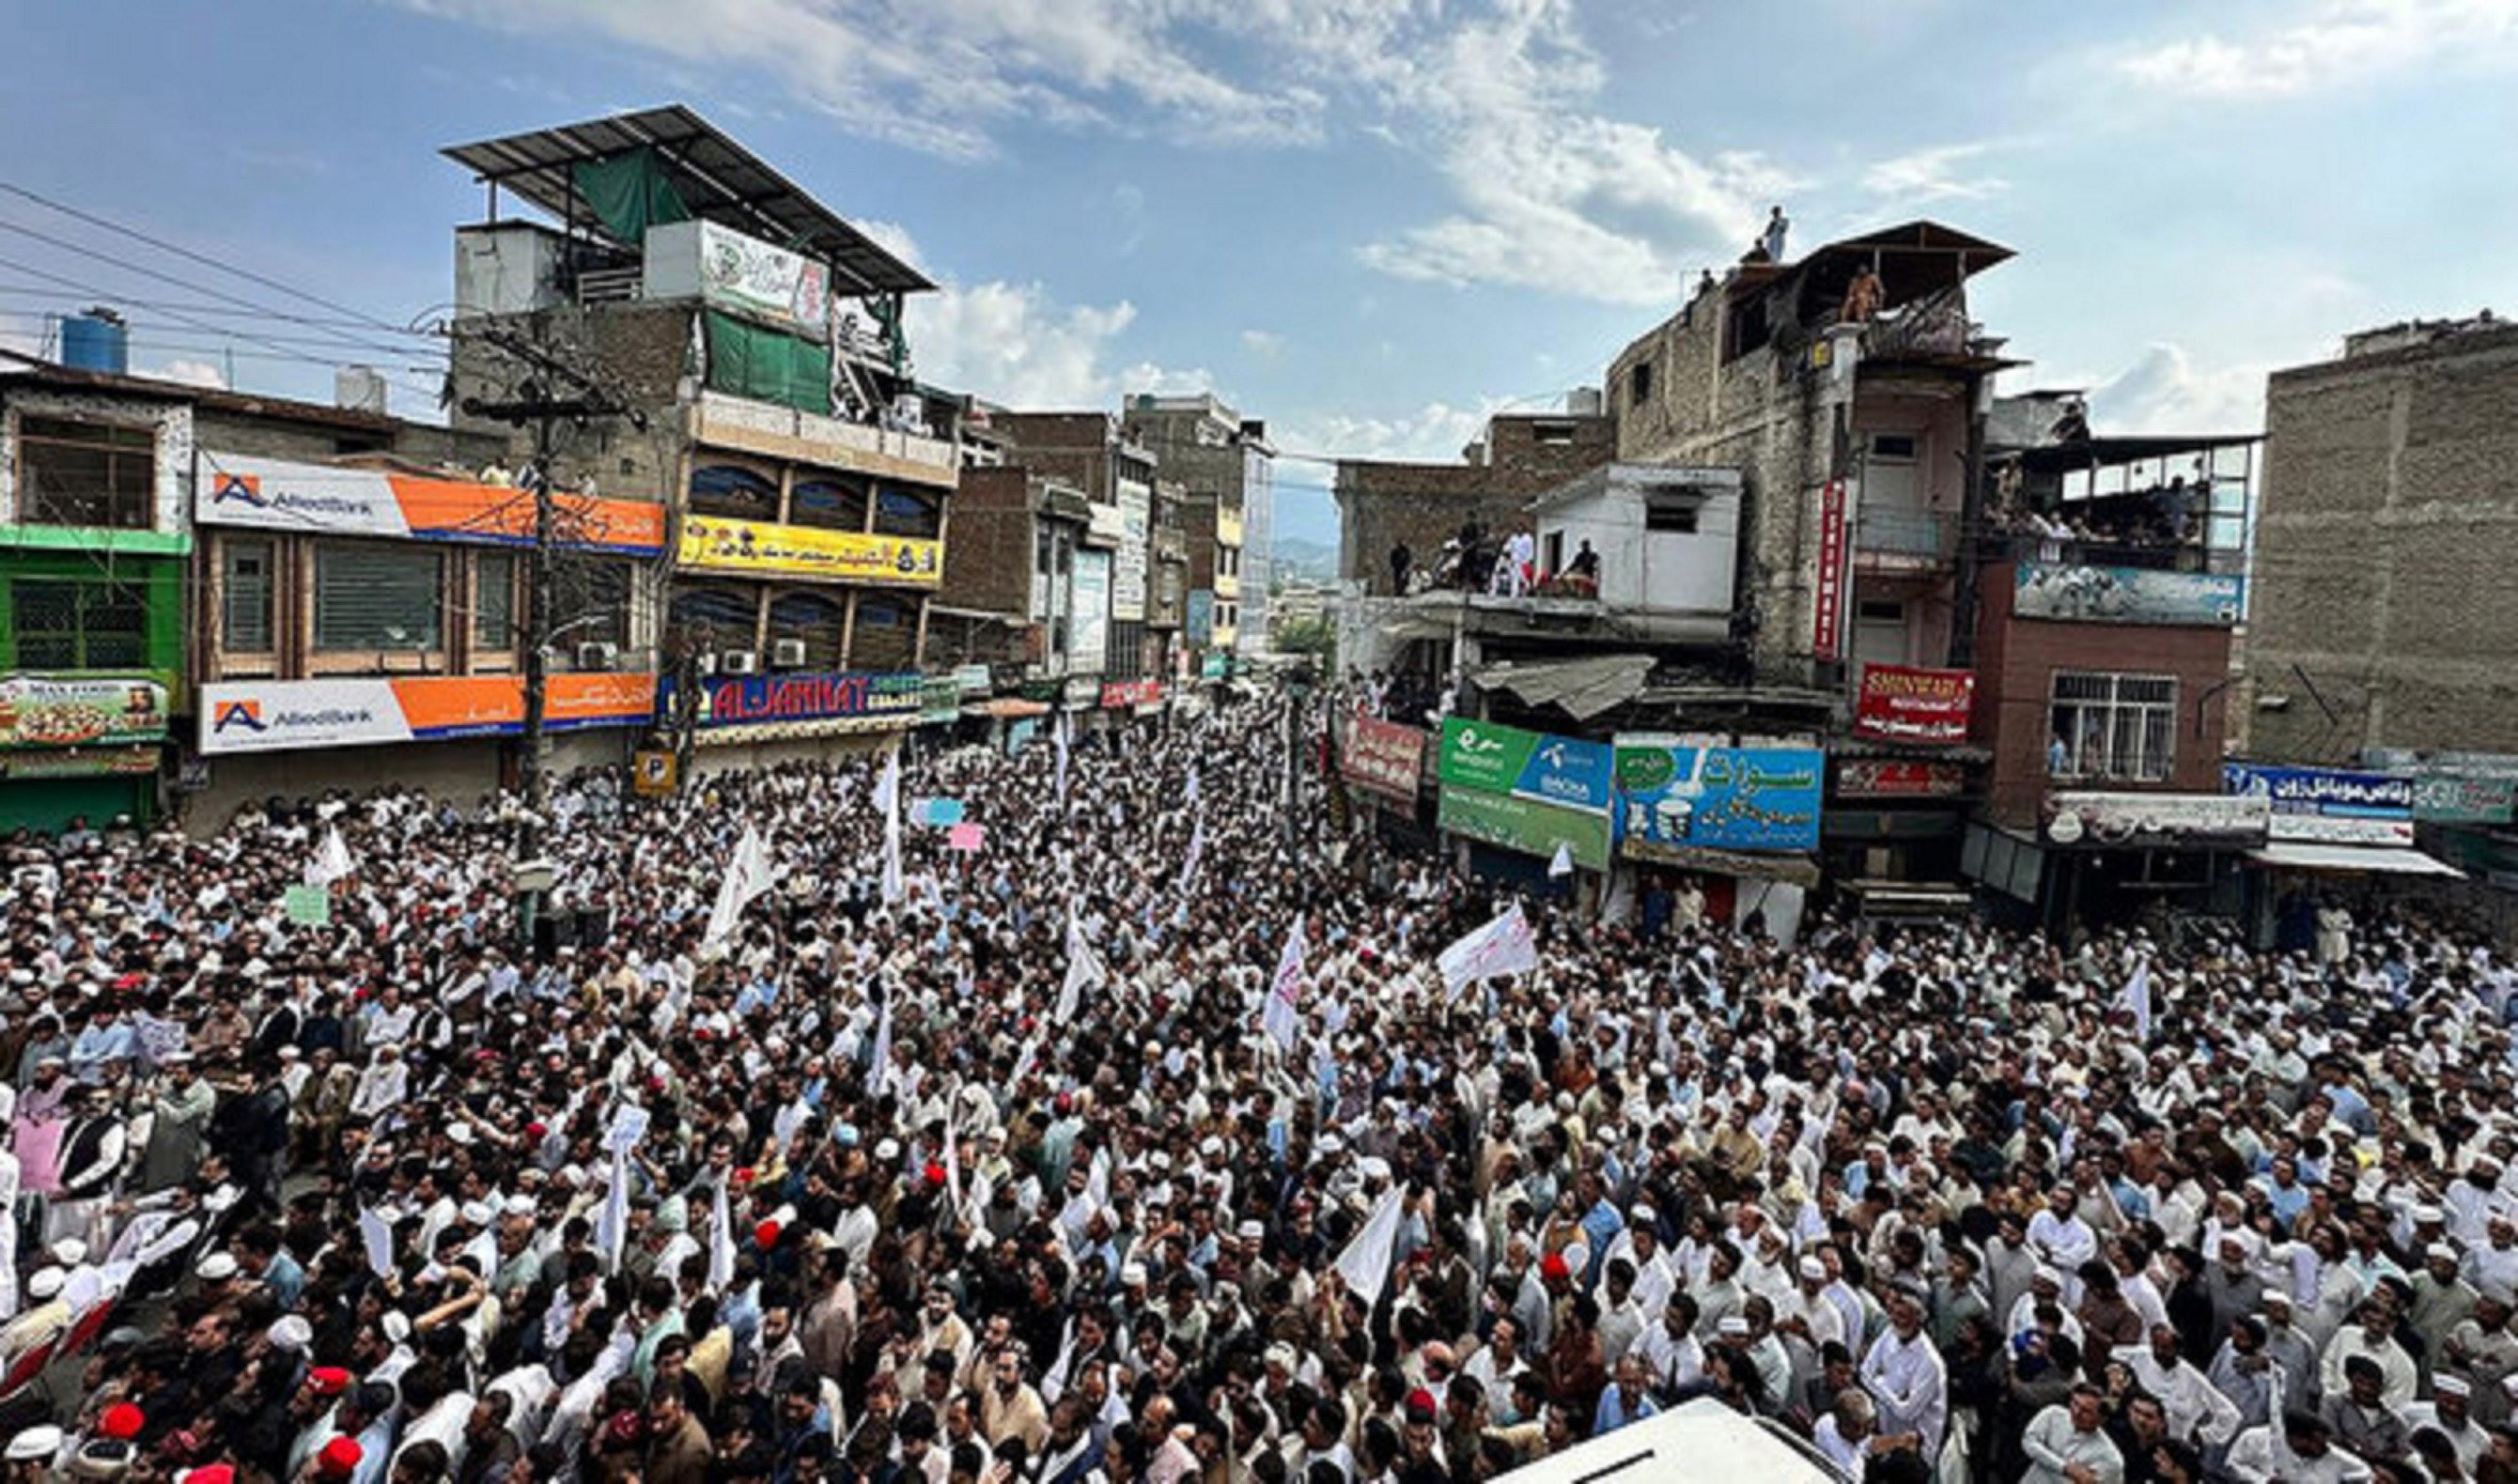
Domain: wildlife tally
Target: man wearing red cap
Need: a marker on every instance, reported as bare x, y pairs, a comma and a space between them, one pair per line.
311, 1411
337, 1459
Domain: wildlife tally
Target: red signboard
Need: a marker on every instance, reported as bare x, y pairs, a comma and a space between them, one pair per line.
1901, 702
1384, 757
1132, 693
1883, 778
1827, 634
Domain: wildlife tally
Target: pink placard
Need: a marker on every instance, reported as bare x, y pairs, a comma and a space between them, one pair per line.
965, 837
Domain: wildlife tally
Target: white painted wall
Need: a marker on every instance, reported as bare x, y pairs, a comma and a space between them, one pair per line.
1667, 570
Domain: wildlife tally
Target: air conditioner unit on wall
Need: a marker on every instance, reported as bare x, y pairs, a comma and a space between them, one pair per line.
788, 654
738, 662
596, 654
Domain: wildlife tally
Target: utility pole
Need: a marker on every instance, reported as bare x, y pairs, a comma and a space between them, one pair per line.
535, 405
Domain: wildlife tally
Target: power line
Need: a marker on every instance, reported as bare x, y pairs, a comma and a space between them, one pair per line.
127, 266
32, 291
88, 288
204, 259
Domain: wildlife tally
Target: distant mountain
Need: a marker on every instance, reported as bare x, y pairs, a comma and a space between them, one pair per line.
1309, 560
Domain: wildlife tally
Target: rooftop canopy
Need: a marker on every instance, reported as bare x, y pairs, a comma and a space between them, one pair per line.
715, 179
2100, 453
1914, 260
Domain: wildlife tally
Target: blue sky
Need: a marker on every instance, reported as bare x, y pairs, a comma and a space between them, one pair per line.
1368, 221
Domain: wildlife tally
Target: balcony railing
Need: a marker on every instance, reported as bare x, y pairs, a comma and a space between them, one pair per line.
1917, 535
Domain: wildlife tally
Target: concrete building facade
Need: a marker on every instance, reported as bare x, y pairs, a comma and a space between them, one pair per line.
2382, 613
1224, 461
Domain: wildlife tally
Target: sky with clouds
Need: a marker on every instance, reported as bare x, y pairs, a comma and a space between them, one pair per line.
1371, 222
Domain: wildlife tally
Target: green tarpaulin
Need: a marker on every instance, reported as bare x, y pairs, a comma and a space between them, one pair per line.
768, 365
628, 194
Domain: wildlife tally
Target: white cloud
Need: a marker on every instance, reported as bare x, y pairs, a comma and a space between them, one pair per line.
1500, 96
1434, 432
938, 75
1933, 175
1262, 342
1552, 195
189, 372
2338, 43
2166, 392
1017, 344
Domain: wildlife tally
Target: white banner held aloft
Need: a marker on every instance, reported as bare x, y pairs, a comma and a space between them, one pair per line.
1084, 970
2137, 999
720, 1269
1502, 946
333, 863
747, 876
1282, 1016
1365, 1265
1057, 738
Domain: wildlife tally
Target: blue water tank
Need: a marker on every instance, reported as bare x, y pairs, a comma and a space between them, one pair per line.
97, 341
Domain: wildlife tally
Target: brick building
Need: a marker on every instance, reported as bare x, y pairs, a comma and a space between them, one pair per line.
1858, 433
2382, 611
1091, 453
1382, 503
1224, 462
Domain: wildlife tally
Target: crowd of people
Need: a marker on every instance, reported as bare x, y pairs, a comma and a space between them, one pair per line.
1058, 1160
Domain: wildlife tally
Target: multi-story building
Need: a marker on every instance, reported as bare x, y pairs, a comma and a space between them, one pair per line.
2112, 578
1224, 462
96, 474
2378, 627
739, 351
326, 582
1850, 390
1090, 451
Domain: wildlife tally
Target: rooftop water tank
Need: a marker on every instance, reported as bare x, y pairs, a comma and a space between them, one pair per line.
97, 340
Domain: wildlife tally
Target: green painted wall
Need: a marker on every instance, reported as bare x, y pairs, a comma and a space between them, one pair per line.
159, 581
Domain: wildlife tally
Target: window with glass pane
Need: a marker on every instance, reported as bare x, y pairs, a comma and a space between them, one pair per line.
376, 598
827, 505
72, 624
886, 633
494, 600
245, 596
590, 600
86, 474
817, 619
899, 513
708, 619
733, 491
2110, 726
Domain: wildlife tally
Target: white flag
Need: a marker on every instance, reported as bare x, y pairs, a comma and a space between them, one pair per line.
1365, 1265
953, 1165
613, 1226
1190, 794
1281, 1017
378, 1237
1057, 738
881, 1069
1501, 947
333, 863
747, 876
1562, 862
720, 1272
1084, 970
887, 786
2135, 996
892, 889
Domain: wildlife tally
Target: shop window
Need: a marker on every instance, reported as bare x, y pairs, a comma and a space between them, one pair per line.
827, 505
816, 619
383, 599
899, 513
2111, 726
734, 492
708, 619
86, 474
494, 600
78, 625
246, 591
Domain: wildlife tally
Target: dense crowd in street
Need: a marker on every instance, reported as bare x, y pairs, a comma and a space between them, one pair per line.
1055, 1161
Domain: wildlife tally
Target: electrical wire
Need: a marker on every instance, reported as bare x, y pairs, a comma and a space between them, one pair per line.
205, 260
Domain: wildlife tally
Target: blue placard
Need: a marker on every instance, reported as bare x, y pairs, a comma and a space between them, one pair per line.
2329, 791
1721, 799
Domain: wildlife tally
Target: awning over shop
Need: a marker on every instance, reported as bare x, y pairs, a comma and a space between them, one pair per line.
1582, 688
2379, 859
